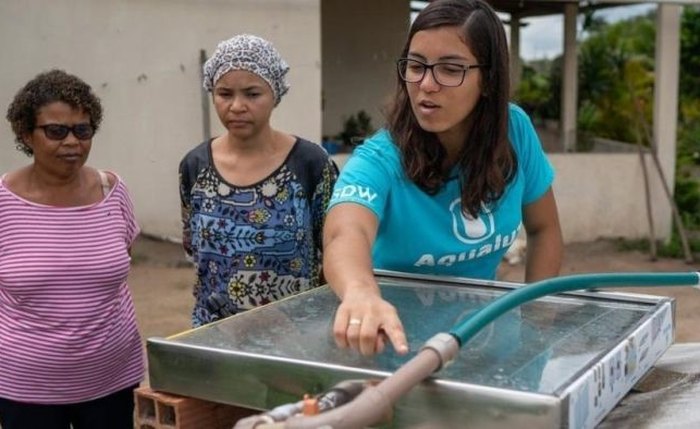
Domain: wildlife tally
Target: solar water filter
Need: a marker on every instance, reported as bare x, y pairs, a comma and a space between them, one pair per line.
560, 361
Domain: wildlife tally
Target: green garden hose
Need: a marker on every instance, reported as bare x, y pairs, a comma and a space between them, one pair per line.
466, 329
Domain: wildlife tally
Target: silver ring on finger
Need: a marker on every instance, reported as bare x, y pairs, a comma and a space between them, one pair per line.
354, 322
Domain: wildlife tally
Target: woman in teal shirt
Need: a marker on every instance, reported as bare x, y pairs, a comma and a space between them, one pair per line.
443, 189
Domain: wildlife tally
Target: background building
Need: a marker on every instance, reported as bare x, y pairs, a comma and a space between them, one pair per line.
143, 58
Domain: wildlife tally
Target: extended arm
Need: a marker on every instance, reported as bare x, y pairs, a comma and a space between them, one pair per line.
363, 316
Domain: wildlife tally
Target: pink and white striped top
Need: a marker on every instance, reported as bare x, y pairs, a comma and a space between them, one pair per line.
67, 326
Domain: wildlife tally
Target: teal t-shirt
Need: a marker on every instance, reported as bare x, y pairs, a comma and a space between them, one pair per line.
428, 234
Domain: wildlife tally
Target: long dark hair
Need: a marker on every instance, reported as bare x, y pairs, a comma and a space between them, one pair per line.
487, 160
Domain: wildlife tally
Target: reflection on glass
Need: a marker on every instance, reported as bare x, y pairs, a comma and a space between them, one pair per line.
538, 347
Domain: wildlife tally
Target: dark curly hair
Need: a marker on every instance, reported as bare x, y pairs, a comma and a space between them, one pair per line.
487, 161
44, 89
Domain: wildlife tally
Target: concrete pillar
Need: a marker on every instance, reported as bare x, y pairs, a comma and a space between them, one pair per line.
516, 66
666, 71
666, 86
569, 90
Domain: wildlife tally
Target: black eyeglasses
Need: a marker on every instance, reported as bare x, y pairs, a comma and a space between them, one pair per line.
60, 131
446, 74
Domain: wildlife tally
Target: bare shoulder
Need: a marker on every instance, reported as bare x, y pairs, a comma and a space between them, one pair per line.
16, 180
285, 141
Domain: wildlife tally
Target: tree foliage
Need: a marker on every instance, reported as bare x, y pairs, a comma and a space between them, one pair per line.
690, 53
533, 94
616, 78
616, 90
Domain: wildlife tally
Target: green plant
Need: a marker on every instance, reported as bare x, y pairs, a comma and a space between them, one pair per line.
687, 197
355, 128
670, 249
533, 93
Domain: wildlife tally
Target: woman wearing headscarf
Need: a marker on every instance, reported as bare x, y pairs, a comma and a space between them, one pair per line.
253, 199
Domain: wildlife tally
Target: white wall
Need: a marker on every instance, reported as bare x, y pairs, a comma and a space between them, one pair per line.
361, 40
142, 59
601, 195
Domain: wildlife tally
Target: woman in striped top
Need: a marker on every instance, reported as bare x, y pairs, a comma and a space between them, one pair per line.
70, 349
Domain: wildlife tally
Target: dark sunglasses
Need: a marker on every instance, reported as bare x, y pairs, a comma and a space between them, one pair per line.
60, 131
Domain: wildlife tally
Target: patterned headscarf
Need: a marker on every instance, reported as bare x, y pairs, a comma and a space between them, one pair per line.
249, 53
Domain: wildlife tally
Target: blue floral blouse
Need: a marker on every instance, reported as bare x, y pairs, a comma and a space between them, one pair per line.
255, 244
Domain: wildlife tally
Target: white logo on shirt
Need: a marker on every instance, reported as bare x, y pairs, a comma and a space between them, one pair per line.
352, 191
468, 229
449, 259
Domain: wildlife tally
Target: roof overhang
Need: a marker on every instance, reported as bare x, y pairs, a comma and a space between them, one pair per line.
528, 8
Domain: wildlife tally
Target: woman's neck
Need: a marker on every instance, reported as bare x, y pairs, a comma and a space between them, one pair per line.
45, 187
39, 178
453, 141
242, 162
263, 142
